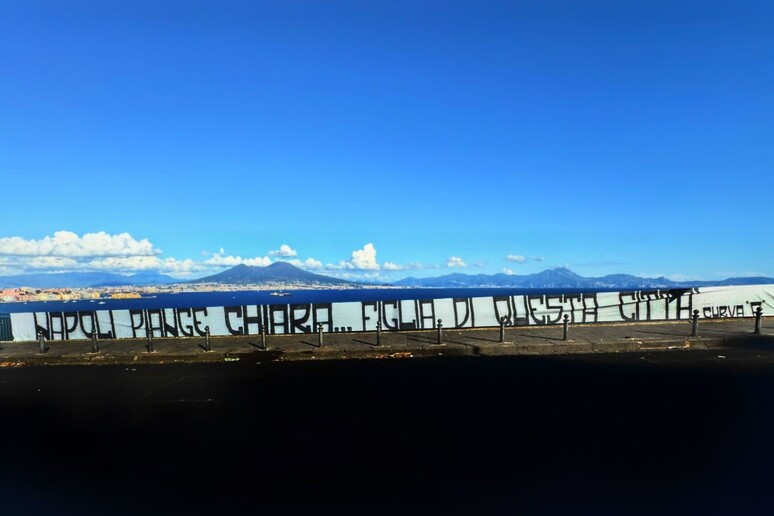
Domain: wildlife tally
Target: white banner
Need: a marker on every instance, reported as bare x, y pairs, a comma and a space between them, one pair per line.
466, 312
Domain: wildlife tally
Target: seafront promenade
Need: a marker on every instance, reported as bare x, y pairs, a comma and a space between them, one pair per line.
535, 340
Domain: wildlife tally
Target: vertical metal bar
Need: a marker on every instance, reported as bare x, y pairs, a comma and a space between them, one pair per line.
758, 317
263, 338
502, 328
41, 342
566, 327
94, 345
440, 331
320, 334
149, 333
379, 332
695, 324
207, 346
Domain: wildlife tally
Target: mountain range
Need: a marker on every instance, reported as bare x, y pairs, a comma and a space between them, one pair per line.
290, 275
84, 280
277, 272
561, 277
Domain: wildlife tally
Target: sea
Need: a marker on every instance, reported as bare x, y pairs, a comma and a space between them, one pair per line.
265, 297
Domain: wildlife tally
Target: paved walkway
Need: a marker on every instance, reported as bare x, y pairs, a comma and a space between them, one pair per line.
542, 340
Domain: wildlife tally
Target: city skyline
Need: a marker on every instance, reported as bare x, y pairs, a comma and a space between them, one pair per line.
379, 141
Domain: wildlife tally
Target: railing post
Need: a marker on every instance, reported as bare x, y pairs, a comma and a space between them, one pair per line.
440, 331
695, 324
263, 338
94, 345
758, 317
41, 342
566, 327
207, 345
149, 333
503, 319
379, 332
320, 334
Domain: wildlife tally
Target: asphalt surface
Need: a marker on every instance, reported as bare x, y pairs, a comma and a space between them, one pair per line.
675, 432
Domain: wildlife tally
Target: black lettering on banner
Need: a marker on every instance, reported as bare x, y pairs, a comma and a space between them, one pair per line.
642, 302
533, 309
516, 319
719, 312
406, 325
558, 309
572, 299
152, 326
647, 297
227, 311
39, 328
299, 314
425, 313
109, 334
248, 319
466, 304
93, 324
323, 313
283, 322
137, 323
677, 296
70, 323
170, 330
393, 323
497, 303
551, 308
197, 322
626, 299
589, 311
187, 329
56, 326
372, 307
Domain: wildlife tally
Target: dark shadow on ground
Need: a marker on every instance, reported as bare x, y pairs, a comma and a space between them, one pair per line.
753, 342
372, 344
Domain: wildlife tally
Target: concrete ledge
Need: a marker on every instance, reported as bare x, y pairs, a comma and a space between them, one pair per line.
532, 341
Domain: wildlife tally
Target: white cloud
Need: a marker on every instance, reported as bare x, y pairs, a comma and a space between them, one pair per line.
220, 259
516, 258
456, 261
509, 272
125, 263
309, 263
50, 262
362, 259
284, 251
171, 266
389, 266
66, 243
365, 258
538, 258
356, 275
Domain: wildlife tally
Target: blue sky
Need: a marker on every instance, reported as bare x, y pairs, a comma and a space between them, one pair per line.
632, 137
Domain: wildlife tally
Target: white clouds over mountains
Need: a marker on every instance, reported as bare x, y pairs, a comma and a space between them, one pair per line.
67, 251
66, 243
456, 261
122, 253
284, 251
362, 259
220, 259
